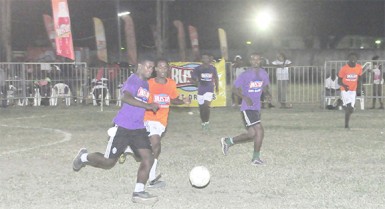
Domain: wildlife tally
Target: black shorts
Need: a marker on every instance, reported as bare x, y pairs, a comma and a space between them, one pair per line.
251, 117
136, 139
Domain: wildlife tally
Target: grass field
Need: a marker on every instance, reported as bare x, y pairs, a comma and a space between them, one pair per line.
311, 160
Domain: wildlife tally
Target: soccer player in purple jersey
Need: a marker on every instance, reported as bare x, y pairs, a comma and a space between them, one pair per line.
249, 86
130, 131
206, 77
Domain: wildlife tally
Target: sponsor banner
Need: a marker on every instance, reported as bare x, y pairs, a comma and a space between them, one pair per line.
181, 73
181, 39
100, 37
223, 43
193, 33
49, 27
129, 30
62, 23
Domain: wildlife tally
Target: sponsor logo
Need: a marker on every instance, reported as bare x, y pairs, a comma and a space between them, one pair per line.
182, 76
255, 86
163, 100
142, 94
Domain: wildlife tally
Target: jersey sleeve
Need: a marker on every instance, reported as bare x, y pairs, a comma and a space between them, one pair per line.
173, 90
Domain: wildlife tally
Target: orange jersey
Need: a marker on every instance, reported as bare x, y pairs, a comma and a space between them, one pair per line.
161, 94
349, 76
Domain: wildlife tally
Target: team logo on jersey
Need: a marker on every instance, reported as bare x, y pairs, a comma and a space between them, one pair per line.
163, 100
206, 76
351, 77
255, 86
142, 94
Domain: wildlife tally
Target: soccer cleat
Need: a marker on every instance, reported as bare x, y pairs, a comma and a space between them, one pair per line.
225, 146
77, 163
156, 183
257, 162
144, 197
122, 158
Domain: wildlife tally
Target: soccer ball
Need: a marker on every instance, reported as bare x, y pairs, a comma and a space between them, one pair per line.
199, 176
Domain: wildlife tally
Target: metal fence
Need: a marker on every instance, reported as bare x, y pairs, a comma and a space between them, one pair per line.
49, 83
38, 84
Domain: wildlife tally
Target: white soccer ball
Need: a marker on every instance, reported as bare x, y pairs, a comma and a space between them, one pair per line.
199, 176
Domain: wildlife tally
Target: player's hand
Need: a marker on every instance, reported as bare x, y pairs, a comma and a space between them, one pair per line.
216, 90
346, 87
248, 101
187, 100
154, 107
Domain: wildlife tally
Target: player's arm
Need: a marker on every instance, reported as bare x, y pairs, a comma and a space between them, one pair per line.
238, 92
346, 87
178, 101
129, 99
266, 91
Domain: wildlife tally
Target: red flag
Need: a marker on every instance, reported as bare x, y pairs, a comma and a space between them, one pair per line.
181, 39
62, 22
194, 42
48, 23
130, 39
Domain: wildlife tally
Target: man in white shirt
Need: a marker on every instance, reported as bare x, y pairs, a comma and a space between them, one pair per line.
378, 81
282, 64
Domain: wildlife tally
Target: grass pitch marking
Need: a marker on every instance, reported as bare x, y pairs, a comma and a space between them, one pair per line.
67, 137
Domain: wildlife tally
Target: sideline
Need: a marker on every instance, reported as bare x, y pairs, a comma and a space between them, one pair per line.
67, 137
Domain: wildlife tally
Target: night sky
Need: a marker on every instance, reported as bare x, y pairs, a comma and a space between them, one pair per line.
294, 18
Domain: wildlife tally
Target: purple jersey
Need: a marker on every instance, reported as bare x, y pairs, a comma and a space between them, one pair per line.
205, 77
252, 82
131, 117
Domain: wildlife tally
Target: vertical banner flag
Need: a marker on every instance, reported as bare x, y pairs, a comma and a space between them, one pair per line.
223, 43
62, 23
181, 73
181, 39
129, 30
100, 37
194, 42
48, 23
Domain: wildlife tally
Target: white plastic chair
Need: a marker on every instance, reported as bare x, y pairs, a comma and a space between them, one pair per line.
100, 85
60, 90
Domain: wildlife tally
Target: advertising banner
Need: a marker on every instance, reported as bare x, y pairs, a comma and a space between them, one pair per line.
129, 30
223, 43
181, 73
194, 42
62, 23
49, 27
100, 37
181, 39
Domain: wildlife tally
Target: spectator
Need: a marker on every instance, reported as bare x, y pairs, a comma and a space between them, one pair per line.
282, 64
238, 68
378, 81
332, 88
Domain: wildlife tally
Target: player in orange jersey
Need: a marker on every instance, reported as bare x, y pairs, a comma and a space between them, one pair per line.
349, 78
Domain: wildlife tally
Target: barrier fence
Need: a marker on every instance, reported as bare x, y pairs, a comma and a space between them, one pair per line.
38, 84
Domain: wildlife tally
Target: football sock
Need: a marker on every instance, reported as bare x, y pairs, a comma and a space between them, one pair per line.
255, 155
153, 170
229, 141
139, 187
83, 158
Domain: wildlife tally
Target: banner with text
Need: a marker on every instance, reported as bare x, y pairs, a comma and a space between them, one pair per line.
62, 22
181, 73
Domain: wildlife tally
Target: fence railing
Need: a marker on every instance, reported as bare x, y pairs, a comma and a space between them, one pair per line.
34, 83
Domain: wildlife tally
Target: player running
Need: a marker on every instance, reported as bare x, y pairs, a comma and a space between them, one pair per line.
249, 86
206, 77
349, 78
129, 131
164, 93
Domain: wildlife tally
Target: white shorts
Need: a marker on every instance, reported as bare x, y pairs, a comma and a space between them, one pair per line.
208, 96
154, 127
348, 97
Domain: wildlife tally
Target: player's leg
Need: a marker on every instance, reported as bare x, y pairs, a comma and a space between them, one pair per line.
379, 94
141, 146
117, 143
258, 128
251, 118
